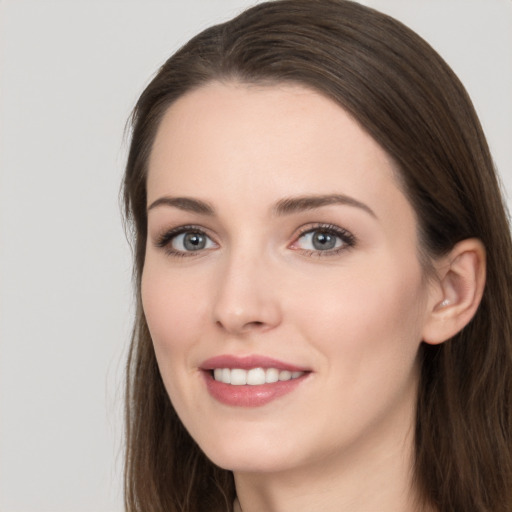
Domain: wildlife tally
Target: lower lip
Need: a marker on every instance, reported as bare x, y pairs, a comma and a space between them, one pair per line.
250, 396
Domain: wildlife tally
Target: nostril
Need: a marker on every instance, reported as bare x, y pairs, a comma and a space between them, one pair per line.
247, 325
254, 317
253, 325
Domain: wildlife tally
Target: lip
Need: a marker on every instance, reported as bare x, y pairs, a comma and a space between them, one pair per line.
248, 362
249, 396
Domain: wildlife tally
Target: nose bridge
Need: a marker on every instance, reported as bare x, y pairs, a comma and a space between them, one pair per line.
246, 297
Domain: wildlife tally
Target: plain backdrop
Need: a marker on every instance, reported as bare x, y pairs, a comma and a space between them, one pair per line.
70, 72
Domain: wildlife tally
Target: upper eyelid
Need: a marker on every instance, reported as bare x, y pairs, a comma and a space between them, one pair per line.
333, 228
348, 239
166, 235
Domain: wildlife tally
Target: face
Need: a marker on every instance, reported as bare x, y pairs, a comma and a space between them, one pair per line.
282, 286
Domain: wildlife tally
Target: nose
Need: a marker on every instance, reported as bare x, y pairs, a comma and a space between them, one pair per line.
247, 296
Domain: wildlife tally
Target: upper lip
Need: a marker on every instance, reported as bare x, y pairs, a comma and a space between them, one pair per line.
248, 362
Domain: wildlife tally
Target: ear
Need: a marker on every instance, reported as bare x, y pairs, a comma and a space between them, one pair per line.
457, 292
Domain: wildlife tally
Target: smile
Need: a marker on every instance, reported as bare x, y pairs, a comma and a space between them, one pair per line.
251, 381
254, 376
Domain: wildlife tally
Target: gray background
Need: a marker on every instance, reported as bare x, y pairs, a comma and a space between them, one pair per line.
70, 72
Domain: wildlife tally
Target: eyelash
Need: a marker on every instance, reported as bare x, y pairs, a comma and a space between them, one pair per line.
348, 239
164, 241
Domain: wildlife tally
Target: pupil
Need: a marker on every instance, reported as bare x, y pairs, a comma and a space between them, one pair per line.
323, 241
194, 241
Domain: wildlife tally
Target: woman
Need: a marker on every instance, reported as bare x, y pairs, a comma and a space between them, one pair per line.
322, 266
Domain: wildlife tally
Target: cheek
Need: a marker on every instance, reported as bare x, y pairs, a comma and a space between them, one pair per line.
172, 311
175, 314
367, 332
366, 321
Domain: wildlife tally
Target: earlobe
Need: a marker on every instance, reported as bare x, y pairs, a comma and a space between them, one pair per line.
458, 291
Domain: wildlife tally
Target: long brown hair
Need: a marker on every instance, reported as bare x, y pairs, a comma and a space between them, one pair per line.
413, 105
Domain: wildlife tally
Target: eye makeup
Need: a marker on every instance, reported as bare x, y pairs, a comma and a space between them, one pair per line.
324, 240
185, 241
315, 240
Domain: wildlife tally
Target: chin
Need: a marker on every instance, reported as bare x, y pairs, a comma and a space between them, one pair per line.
240, 462
246, 453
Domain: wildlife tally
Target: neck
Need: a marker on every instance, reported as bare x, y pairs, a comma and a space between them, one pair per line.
376, 475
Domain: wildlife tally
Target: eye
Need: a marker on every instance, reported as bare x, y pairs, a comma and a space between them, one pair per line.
324, 239
190, 241
185, 240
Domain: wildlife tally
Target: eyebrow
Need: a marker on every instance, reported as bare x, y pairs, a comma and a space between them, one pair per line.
283, 207
186, 204
302, 203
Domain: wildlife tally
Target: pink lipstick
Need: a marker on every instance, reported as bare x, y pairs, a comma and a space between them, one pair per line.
250, 381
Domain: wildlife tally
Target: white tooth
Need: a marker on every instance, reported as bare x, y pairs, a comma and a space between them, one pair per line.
226, 376
256, 377
271, 375
238, 377
285, 375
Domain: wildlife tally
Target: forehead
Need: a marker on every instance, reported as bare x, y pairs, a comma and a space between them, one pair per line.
276, 118
282, 139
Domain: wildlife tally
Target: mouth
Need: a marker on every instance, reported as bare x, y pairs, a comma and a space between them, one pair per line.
254, 376
250, 381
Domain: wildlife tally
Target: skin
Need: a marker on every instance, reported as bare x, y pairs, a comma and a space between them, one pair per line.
342, 440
